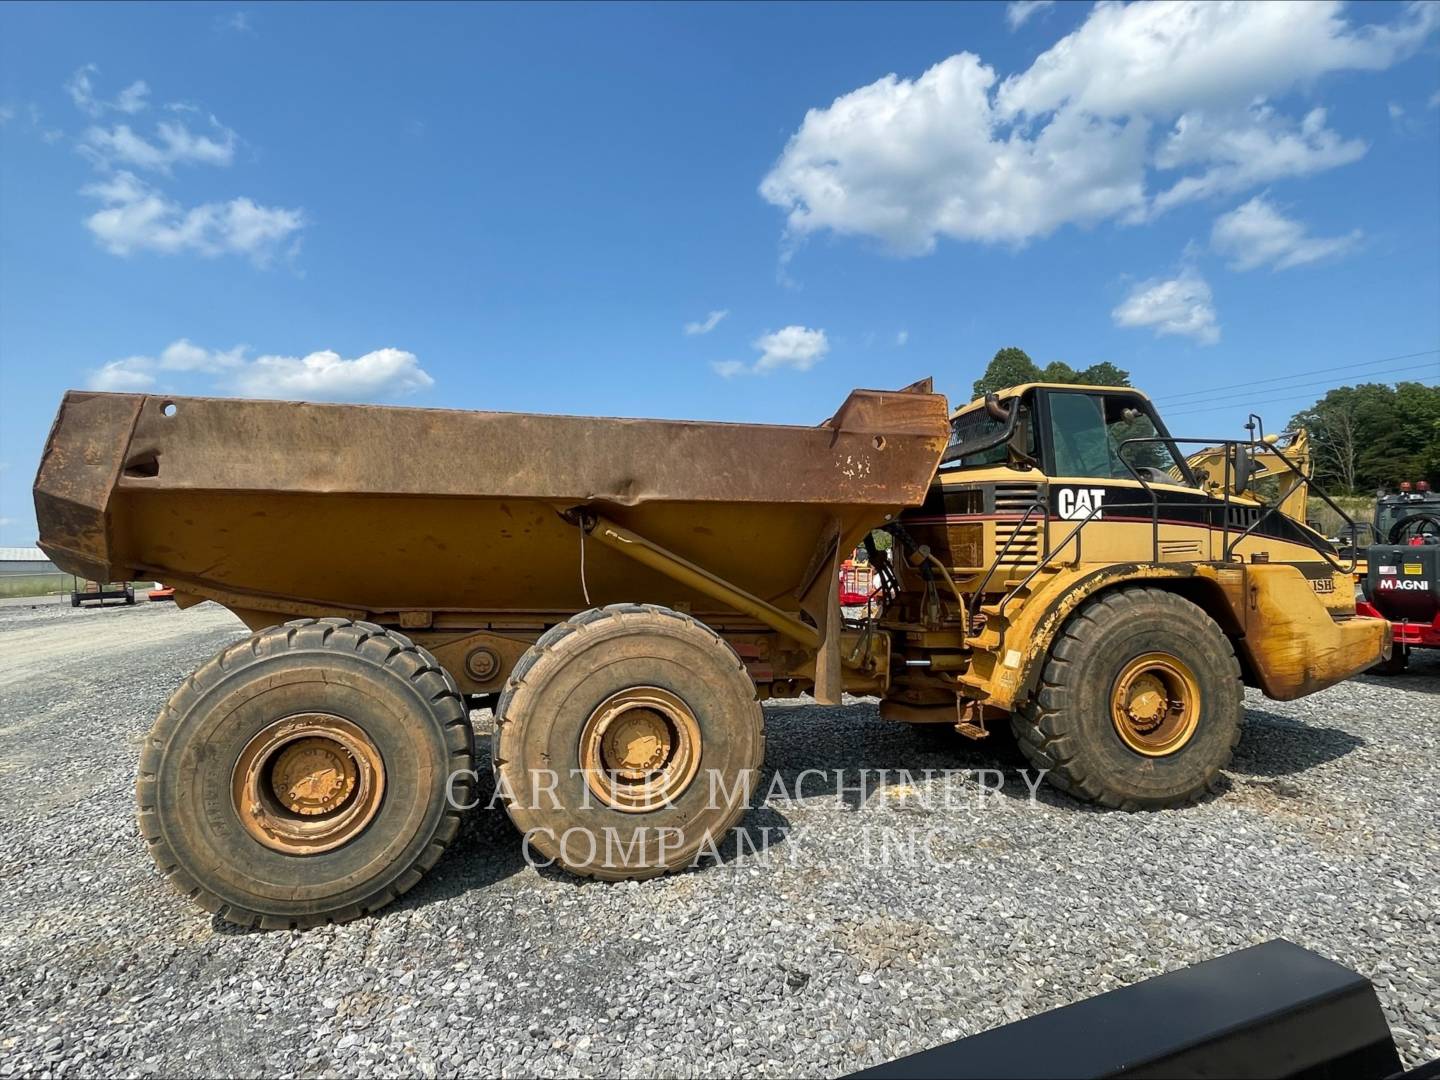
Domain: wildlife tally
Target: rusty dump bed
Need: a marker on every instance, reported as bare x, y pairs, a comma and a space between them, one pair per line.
278, 509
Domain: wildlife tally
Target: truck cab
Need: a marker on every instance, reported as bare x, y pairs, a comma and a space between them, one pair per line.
1054, 500
1099, 455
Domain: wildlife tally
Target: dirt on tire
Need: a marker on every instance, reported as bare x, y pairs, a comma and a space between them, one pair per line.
378, 680
555, 690
1066, 727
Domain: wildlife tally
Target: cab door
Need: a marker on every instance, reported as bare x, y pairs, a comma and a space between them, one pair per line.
1148, 510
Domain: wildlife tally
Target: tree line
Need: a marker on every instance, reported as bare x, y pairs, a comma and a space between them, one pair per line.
1363, 438
1374, 436
1012, 366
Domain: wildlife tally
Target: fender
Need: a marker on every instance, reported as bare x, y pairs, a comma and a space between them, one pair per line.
1277, 621
1038, 619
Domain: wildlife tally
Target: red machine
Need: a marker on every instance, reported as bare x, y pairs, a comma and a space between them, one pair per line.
857, 583
1402, 580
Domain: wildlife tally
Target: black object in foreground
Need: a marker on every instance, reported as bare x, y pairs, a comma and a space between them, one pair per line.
1272, 1010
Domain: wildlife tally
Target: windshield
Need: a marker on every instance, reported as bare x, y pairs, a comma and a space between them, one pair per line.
1088, 432
1388, 515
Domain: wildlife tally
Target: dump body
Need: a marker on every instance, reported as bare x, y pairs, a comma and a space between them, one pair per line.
281, 509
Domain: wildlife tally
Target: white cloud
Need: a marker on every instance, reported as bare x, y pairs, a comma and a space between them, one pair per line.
29, 113
80, 88
320, 376
1395, 110
1241, 151
182, 355
130, 375
175, 144
1175, 55
1181, 305
902, 337
384, 373
796, 347
137, 373
1434, 102
132, 99
1175, 86
709, 323
904, 161
238, 21
793, 346
1257, 234
137, 217
1018, 11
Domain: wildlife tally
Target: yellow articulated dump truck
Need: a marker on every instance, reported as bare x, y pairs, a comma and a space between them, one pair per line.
624, 593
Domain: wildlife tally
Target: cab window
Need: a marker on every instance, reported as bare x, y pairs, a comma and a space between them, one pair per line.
1087, 432
977, 425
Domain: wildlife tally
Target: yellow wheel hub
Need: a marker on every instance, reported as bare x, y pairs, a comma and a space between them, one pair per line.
1155, 704
637, 743
307, 784
640, 749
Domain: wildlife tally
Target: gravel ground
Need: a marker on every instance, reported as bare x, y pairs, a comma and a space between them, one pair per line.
842, 943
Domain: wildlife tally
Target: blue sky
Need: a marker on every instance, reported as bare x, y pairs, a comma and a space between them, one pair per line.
525, 208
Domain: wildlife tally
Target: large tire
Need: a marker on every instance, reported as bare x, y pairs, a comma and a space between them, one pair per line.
556, 704
250, 703
1073, 727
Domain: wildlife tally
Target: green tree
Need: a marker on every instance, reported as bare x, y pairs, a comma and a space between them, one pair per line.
1374, 435
1058, 371
1011, 367
1104, 374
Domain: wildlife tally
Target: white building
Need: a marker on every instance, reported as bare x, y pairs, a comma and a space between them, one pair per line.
28, 571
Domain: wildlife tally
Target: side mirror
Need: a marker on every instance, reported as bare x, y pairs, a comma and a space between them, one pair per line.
1244, 468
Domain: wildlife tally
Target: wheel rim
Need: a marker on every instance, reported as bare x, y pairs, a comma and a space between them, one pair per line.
308, 784
640, 749
1155, 704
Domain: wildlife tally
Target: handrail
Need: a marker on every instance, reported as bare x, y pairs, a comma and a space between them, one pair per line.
1227, 446
995, 563
1073, 534
1050, 553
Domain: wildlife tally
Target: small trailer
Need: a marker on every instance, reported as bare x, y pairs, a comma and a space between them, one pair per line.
86, 591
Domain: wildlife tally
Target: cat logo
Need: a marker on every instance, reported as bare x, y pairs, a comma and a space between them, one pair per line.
1077, 504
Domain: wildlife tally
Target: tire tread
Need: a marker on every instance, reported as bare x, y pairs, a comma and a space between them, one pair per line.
397, 653
549, 653
1041, 727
